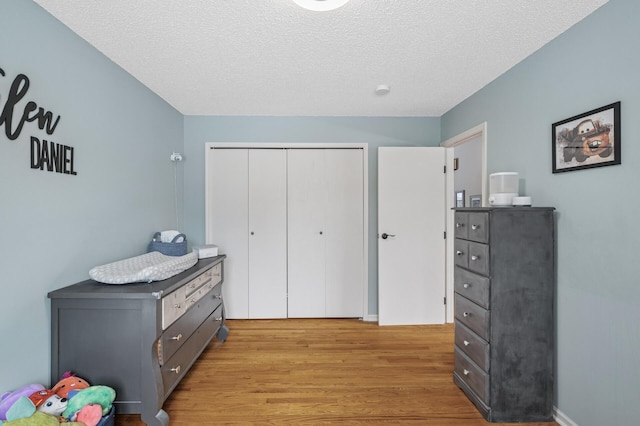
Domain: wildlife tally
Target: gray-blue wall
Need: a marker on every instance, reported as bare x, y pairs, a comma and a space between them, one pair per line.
598, 337
55, 227
373, 131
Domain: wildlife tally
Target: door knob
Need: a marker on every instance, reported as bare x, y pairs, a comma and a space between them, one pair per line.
385, 235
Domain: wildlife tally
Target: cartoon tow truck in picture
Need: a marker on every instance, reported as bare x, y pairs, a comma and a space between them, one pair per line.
589, 138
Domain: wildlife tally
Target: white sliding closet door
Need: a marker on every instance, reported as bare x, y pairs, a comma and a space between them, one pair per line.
325, 235
247, 219
344, 251
307, 198
227, 183
267, 233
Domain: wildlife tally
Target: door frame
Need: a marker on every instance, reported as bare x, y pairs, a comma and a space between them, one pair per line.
365, 192
479, 131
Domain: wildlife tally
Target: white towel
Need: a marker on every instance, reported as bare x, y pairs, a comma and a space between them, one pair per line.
168, 236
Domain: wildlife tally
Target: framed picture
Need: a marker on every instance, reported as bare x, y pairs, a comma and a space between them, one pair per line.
460, 198
475, 200
587, 140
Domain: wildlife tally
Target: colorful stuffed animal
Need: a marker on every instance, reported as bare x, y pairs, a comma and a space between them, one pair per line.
9, 398
69, 383
23, 413
48, 402
100, 395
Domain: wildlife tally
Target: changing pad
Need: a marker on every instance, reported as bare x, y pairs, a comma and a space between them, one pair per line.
153, 266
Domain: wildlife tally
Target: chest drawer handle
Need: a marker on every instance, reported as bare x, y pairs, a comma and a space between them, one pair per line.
466, 372
176, 369
474, 227
466, 343
218, 318
177, 338
459, 225
466, 314
218, 296
475, 257
459, 253
466, 285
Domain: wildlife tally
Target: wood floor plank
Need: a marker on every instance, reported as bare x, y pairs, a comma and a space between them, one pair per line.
323, 371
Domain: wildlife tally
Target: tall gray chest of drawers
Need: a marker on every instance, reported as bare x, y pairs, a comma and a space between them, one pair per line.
139, 339
504, 285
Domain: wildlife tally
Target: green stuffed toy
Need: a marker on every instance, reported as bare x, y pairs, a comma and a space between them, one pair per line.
102, 395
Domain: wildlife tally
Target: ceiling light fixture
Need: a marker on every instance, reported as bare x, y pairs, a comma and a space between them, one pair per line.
320, 5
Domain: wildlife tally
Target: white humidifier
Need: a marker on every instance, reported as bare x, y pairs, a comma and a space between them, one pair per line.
503, 188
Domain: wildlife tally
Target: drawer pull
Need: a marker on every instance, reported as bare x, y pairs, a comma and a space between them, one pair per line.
475, 257
176, 369
466, 314
218, 318
177, 338
459, 225
466, 285
176, 306
466, 372
466, 343
459, 253
474, 227
218, 296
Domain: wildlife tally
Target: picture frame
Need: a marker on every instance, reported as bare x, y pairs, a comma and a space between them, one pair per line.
475, 200
587, 140
459, 198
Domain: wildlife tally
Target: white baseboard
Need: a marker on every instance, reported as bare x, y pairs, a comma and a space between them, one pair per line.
562, 418
371, 318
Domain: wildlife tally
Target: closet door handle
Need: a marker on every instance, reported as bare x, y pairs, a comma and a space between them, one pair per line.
385, 235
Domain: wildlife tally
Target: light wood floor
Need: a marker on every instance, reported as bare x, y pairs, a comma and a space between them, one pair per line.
323, 371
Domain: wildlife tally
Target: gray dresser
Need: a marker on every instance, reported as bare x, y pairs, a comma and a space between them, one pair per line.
504, 286
140, 339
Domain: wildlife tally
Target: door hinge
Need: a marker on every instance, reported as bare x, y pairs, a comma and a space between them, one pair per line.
445, 235
445, 169
445, 300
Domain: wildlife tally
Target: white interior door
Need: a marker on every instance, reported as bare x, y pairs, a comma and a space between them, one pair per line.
267, 233
227, 223
306, 235
411, 244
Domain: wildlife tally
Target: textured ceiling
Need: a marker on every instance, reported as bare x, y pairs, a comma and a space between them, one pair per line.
271, 57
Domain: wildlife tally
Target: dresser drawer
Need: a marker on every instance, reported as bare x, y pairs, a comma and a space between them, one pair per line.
216, 273
461, 253
176, 367
478, 258
473, 316
178, 333
197, 282
472, 375
173, 306
461, 229
472, 286
472, 345
478, 227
